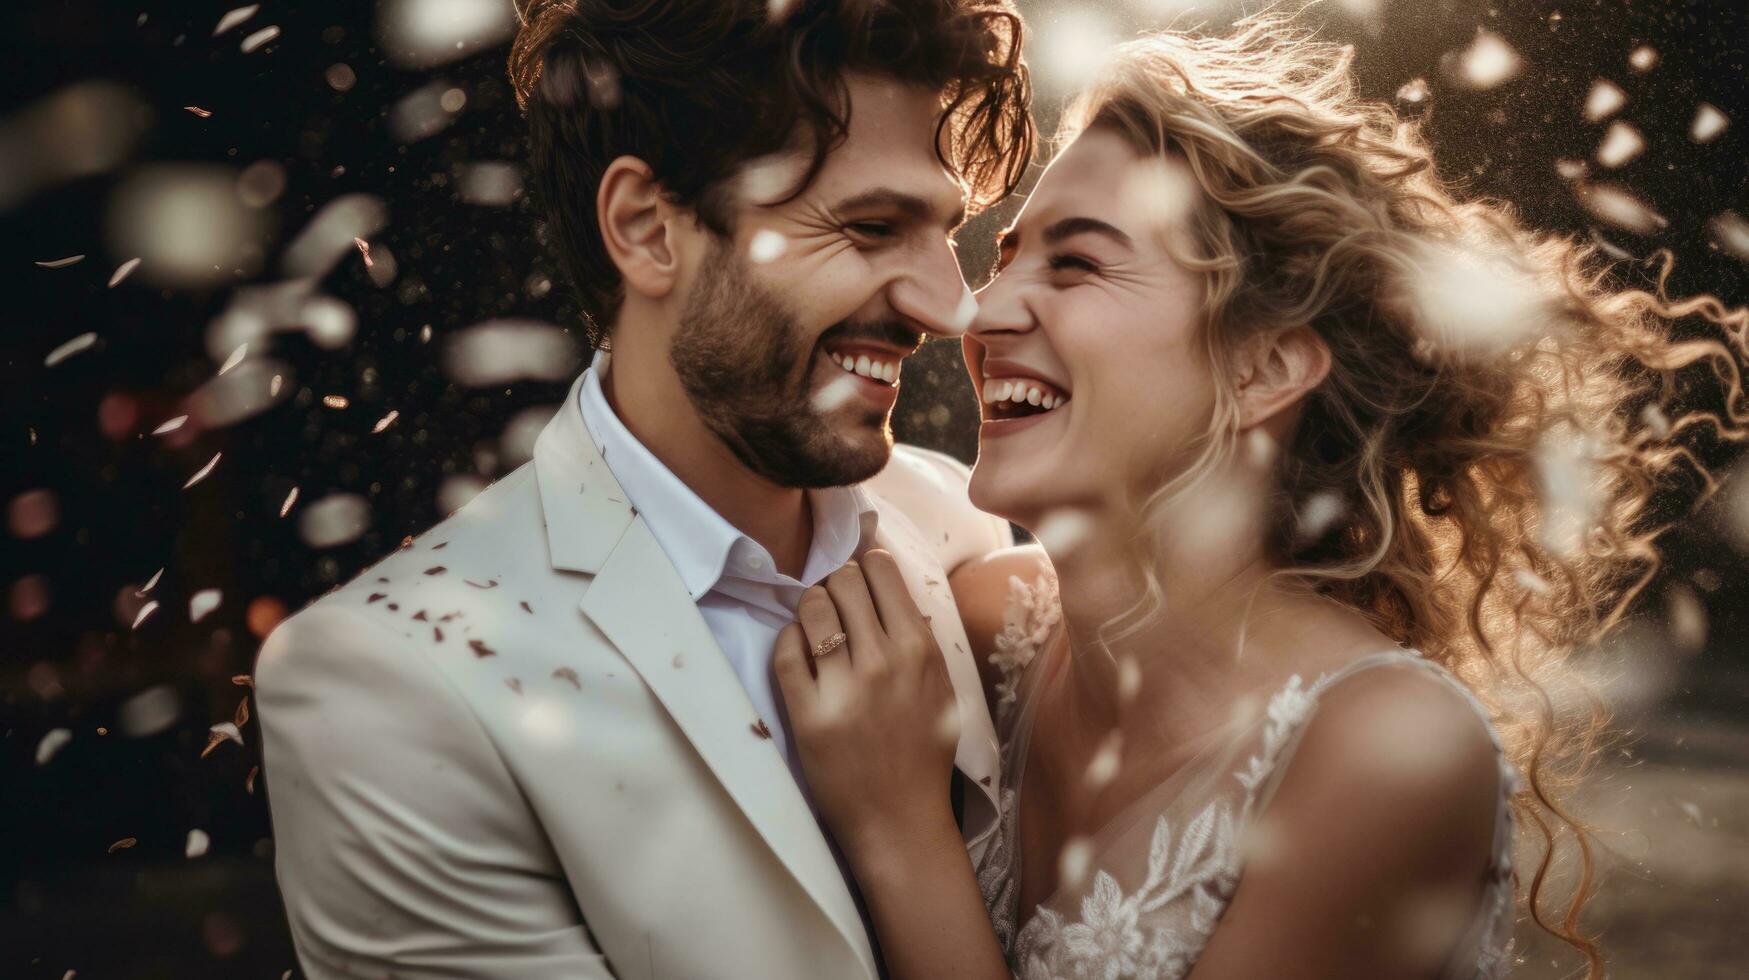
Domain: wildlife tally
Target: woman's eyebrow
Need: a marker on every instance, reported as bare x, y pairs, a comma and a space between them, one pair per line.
1070, 227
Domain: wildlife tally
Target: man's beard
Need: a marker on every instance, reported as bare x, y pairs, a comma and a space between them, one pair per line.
746, 364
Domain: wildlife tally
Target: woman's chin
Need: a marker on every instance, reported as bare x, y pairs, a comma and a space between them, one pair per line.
1014, 490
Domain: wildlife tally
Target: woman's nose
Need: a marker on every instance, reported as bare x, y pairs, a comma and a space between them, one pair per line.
1001, 308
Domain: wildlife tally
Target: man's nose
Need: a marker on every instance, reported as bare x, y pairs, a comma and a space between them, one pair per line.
933, 294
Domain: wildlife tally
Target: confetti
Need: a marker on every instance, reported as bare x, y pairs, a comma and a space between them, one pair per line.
1565, 469
149, 712
834, 393
145, 611
334, 520
262, 37
235, 359
1106, 760
1488, 61
569, 676
1062, 530
150, 583
490, 183
68, 349
1620, 207
202, 603
1620, 144
963, 314
1687, 618
1071, 46
1075, 863
186, 223
197, 110
220, 733
761, 729
123, 844
54, 741
481, 649
331, 234
234, 17
1643, 58
499, 352
1317, 516
198, 841
170, 426
1708, 123
1605, 100
204, 470
1530, 581
385, 422
249, 780
335, 401
1731, 233
61, 263
420, 114
766, 246
427, 33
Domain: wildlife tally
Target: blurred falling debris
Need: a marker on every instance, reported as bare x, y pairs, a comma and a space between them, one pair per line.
427, 33
1488, 62
84, 129
499, 352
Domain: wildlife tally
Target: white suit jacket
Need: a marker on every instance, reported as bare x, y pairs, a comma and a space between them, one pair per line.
513, 749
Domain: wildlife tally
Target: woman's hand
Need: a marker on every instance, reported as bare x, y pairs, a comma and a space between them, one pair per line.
874, 719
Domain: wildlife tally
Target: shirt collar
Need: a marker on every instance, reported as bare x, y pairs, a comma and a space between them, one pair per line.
704, 547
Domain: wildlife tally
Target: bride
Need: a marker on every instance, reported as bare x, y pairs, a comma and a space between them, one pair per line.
1334, 473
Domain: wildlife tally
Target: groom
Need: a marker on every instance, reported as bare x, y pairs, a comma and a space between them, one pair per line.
542, 740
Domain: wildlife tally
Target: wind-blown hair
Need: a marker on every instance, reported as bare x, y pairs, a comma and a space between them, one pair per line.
698, 88
1493, 463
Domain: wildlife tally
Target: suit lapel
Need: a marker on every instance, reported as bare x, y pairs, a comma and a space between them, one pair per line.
977, 754
640, 604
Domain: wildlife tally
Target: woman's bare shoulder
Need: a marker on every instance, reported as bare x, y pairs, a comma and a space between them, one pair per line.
981, 589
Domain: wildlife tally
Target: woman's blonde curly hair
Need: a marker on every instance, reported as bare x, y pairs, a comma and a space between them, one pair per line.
1495, 478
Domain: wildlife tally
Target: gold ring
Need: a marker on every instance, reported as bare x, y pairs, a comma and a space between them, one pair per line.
829, 644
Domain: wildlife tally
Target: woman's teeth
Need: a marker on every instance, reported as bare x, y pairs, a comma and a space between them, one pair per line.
1006, 391
887, 371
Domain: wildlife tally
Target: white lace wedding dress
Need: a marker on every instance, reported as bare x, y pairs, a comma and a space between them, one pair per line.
1160, 874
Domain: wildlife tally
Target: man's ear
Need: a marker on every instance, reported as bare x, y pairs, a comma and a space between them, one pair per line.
637, 227
1280, 370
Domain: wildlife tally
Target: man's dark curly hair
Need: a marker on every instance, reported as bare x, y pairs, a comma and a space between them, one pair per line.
697, 88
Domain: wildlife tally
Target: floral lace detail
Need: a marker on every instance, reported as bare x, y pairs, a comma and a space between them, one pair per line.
1199, 870
1158, 930
1030, 618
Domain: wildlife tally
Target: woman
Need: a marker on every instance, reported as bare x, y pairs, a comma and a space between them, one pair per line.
1334, 474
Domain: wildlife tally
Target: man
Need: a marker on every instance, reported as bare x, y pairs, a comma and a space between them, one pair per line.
542, 741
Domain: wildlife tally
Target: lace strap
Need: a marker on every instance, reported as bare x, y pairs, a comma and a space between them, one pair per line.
1487, 950
1028, 622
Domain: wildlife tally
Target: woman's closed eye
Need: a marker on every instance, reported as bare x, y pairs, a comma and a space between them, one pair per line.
871, 230
1071, 264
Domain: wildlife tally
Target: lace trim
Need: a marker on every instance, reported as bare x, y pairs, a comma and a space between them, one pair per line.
1031, 616
1200, 865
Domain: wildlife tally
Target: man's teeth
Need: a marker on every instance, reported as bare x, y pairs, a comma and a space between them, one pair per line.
998, 390
887, 371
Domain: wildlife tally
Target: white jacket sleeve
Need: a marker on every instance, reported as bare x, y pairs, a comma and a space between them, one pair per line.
404, 846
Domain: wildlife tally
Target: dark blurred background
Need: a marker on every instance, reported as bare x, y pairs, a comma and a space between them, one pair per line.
403, 373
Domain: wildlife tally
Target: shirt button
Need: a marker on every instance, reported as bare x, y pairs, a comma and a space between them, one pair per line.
755, 562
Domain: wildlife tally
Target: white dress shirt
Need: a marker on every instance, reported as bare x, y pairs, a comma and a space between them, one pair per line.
744, 599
